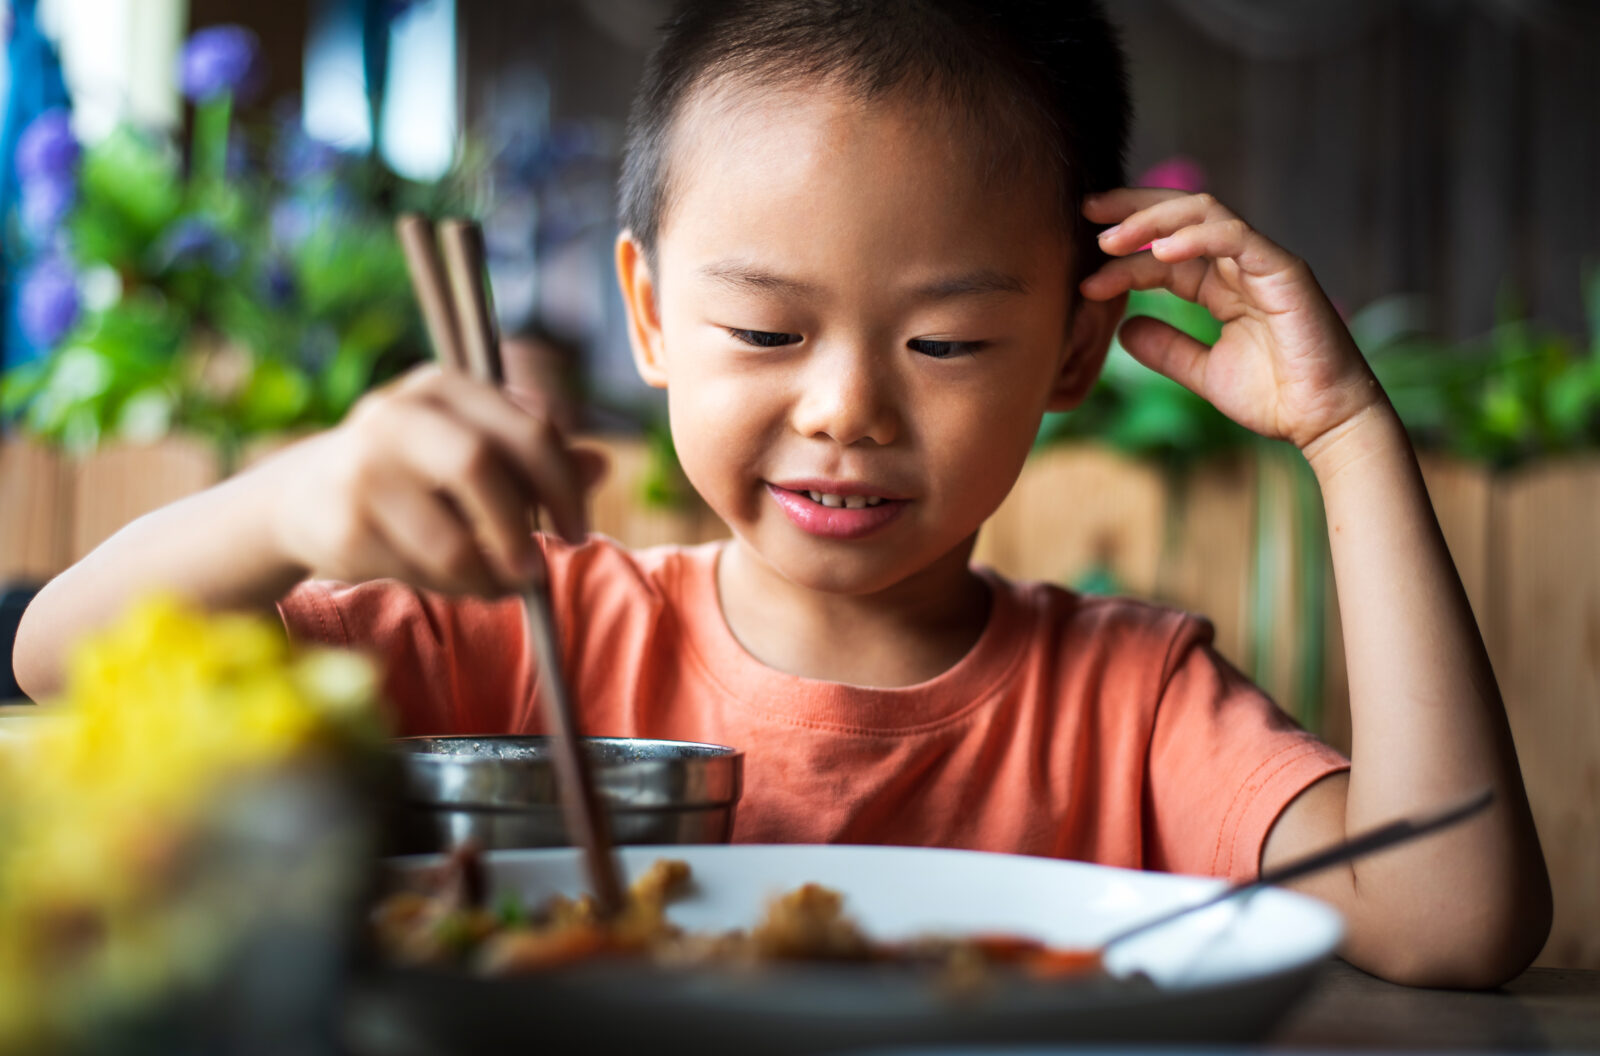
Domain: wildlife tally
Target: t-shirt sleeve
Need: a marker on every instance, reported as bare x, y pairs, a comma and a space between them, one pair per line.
1224, 763
450, 665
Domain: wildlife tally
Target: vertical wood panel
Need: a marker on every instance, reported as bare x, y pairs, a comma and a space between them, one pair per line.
617, 508
118, 484
1076, 507
1275, 648
1545, 645
1208, 569
33, 511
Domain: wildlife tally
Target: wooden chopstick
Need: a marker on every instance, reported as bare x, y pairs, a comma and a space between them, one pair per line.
428, 283
587, 824
464, 258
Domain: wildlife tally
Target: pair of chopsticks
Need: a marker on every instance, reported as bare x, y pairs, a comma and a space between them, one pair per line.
451, 288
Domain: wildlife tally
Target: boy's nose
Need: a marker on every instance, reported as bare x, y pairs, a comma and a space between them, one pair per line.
846, 402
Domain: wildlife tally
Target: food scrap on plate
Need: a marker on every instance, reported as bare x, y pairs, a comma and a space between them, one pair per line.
452, 924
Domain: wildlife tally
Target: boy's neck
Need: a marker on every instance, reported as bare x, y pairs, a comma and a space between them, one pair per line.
910, 633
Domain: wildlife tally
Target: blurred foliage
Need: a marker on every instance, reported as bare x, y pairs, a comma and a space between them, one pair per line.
664, 486
1518, 392
259, 290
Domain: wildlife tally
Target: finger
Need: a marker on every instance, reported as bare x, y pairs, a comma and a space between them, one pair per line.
418, 378
1114, 206
1232, 240
430, 535
1166, 350
1142, 271
530, 444
447, 455
1161, 219
593, 466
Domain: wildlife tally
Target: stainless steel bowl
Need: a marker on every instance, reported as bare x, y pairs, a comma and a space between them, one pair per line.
501, 791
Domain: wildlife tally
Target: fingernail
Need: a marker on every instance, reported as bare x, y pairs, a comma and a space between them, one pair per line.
1108, 232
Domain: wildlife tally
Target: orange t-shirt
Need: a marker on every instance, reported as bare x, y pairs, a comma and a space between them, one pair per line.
1104, 730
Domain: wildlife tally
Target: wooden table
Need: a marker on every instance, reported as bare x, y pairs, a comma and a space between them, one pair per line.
1542, 1010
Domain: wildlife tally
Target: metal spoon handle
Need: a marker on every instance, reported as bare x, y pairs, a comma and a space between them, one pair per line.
1378, 839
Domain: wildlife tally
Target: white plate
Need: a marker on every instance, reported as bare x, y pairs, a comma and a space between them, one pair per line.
1223, 975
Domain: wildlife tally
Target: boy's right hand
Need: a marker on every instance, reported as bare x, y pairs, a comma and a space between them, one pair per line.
434, 480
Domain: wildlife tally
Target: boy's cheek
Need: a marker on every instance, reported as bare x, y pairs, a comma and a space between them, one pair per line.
719, 430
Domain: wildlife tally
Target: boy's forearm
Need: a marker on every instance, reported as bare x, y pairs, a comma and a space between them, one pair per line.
1428, 726
215, 548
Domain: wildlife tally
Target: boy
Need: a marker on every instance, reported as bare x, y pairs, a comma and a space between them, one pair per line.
859, 254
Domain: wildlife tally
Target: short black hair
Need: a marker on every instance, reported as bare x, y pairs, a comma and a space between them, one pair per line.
1046, 75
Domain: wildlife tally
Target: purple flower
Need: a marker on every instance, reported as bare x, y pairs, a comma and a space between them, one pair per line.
280, 284
45, 204
288, 223
294, 219
196, 243
47, 303
218, 61
299, 157
1178, 173
47, 149
237, 162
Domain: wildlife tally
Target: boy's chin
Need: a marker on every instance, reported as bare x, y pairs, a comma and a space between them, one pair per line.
851, 569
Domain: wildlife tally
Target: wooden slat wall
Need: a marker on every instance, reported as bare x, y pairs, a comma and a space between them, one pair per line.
1524, 544
1545, 643
116, 485
1209, 567
615, 509
1074, 509
34, 506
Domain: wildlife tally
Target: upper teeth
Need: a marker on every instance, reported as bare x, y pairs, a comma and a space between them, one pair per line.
849, 502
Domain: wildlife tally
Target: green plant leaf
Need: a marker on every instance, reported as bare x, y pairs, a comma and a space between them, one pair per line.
131, 180
274, 399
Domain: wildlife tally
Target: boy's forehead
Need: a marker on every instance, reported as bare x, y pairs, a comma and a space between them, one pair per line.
821, 160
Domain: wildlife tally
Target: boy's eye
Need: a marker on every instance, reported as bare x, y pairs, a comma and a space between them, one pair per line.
763, 338
943, 349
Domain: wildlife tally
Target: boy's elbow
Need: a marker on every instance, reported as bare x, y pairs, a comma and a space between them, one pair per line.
33, 665
1485, 950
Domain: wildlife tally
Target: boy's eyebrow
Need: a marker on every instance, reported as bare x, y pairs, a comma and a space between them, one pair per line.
982, 281
746, 276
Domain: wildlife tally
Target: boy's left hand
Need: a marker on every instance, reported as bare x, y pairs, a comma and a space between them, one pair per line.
1284, 367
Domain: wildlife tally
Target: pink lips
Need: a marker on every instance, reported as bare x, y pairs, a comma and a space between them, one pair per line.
834, 522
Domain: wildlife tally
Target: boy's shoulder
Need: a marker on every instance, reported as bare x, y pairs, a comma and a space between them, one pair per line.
1107, 624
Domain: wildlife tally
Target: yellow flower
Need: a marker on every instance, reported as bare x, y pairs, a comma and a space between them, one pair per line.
165, 713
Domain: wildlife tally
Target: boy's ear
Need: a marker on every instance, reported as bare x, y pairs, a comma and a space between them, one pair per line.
1093, 325
644, 316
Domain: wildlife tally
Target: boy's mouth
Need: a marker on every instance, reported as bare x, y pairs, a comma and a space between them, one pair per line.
834, 511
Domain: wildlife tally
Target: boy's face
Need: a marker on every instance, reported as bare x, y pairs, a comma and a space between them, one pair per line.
844, 304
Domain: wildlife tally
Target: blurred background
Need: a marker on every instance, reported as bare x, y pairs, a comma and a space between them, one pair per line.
197, 265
